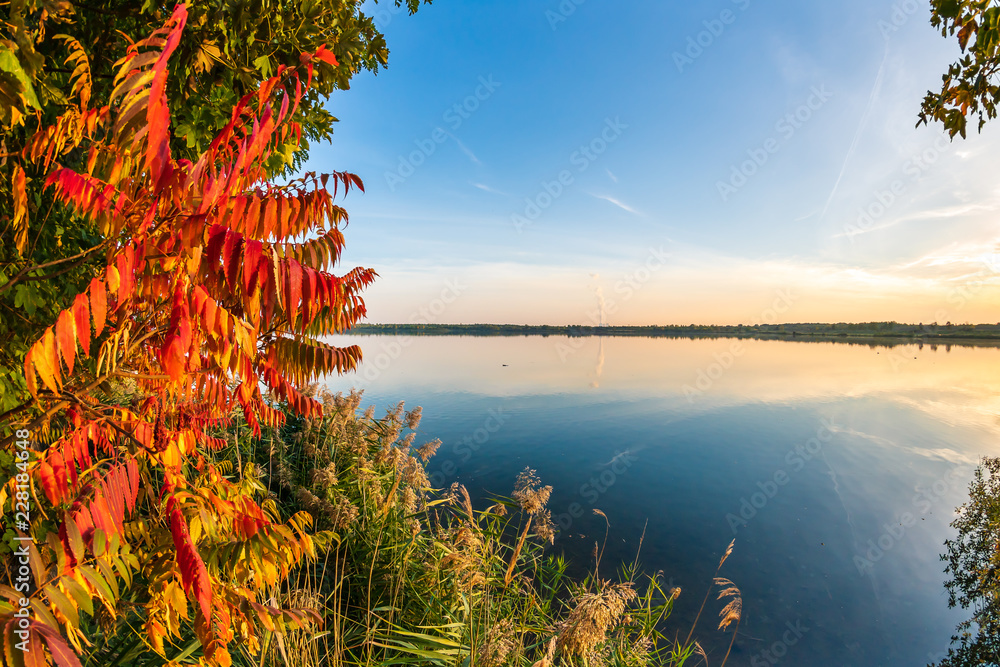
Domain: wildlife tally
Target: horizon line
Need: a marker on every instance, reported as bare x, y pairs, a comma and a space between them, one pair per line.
612, 326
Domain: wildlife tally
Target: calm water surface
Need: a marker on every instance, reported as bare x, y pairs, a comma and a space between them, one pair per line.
837, 468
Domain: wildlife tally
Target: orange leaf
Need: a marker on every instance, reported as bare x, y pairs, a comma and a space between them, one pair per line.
113, 281
324, 54
293, 289
66, 337
30, 377
158, 113
126, 268
101, 514
208, 316
98, 305
46, 361
81, 314
308, 294
47, 477
20, 221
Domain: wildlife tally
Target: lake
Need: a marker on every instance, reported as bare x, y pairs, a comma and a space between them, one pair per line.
837, 468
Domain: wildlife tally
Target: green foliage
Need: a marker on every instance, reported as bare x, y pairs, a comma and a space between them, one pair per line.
969, 87
56, 54
230, 47
974, 567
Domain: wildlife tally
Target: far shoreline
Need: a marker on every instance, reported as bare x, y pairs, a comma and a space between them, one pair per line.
877, 334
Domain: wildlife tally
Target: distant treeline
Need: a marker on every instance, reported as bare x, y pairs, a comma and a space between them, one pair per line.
880, 333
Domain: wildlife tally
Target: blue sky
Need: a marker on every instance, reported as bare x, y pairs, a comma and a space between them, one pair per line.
709, 162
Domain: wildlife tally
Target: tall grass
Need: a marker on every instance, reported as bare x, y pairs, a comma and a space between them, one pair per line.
413, 576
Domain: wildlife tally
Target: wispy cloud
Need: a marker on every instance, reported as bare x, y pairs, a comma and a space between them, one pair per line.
932, 214
616, 202
611, 176
486, 188
956, 261
465, 149
861, 126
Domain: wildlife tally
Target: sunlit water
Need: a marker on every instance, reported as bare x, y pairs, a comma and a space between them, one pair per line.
837, 468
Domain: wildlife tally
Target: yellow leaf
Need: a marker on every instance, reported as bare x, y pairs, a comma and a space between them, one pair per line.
171, 456
46, 361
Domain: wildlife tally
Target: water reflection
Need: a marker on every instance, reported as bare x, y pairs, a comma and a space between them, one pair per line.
836, 467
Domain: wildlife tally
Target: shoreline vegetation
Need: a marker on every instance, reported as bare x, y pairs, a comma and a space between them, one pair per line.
876, 334
408, 574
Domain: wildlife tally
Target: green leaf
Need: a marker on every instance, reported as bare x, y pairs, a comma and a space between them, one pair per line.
192, 647
74, 537
79, 594
100, 542
949, 9
263, 65
10, 64
63, 604
109, 576
98, 582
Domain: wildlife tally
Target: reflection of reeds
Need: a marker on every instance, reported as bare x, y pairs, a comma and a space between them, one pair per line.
408, 575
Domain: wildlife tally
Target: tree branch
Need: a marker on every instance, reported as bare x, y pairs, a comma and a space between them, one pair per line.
79, 258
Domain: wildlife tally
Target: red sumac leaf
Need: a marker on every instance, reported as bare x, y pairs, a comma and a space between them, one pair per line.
194, 575
231, 257
62, 655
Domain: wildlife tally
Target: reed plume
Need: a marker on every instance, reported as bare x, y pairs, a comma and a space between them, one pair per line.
732, 612
729, 551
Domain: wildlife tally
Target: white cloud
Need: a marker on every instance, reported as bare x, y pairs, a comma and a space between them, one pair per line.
486, 188
465, 149
616, 202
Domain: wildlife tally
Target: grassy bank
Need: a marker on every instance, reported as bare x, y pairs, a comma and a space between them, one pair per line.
416, 576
